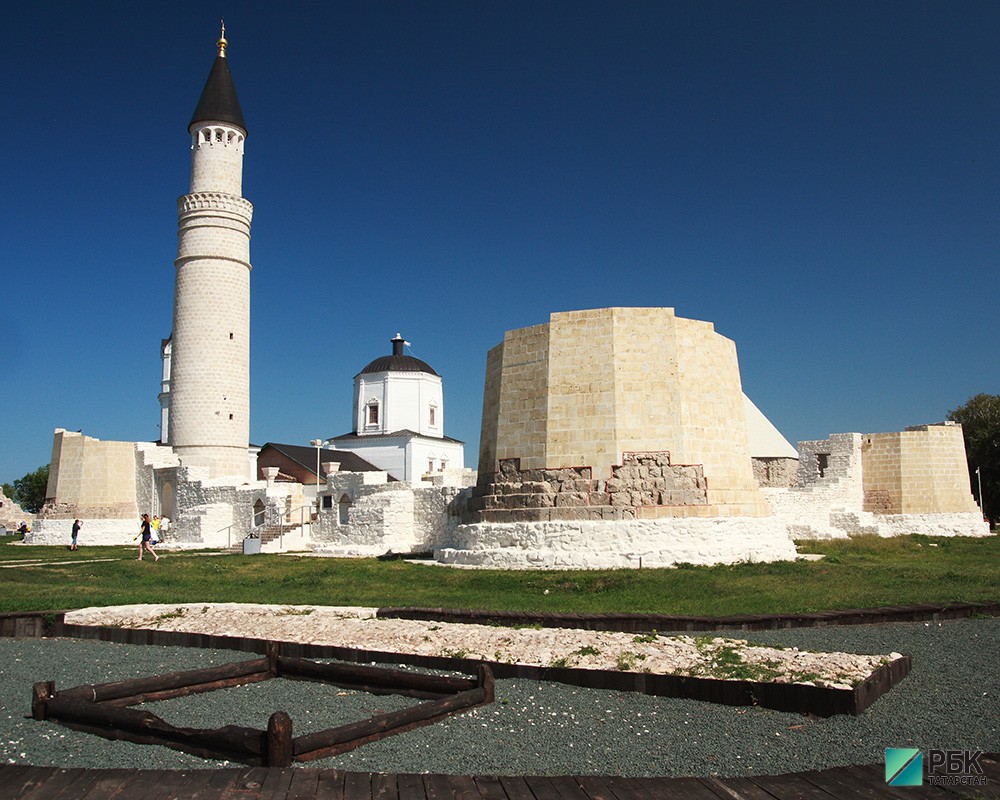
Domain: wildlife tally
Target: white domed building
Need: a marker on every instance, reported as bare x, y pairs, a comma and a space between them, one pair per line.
399, 418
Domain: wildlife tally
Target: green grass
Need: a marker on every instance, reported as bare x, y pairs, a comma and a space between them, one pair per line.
859, 572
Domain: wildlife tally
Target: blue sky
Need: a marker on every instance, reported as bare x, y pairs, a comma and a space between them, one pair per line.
816, 178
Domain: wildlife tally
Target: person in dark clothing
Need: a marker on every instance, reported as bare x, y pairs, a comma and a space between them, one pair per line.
146, 530
76, 532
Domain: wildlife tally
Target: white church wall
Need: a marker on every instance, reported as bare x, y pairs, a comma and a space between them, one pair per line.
442, 454
612, 544
405, 400
388, 453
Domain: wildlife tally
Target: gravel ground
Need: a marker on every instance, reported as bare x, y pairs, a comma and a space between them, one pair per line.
950, 700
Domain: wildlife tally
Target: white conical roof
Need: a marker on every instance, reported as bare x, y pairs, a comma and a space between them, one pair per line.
764, 439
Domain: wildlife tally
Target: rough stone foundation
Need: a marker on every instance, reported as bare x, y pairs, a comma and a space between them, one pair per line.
642, 480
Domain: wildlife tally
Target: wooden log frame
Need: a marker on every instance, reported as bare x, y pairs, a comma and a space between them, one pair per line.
794, 697
103, 709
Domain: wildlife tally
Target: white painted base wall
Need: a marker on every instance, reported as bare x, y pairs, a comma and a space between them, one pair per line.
594, 545
94, 532
811, 514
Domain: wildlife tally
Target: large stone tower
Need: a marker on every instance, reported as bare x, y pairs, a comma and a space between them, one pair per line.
209, 392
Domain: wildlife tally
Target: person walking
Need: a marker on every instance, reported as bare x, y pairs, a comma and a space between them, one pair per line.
145, 530
76, 532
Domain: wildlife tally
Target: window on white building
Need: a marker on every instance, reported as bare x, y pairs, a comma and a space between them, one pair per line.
345, 510
372, 413
432, 421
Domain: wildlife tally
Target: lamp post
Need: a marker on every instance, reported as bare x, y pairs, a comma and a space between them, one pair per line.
318, 444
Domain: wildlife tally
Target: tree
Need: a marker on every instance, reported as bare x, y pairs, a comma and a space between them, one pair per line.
980, 419
29, 491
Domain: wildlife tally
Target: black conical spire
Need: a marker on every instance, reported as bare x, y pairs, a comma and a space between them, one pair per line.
218, 101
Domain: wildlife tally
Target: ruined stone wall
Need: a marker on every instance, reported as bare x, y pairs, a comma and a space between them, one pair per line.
214, 513
644, 484
151, 459
850, 485
379, 515
437, 513
776, 472
11, 513
95, 531
90, 478
921, 470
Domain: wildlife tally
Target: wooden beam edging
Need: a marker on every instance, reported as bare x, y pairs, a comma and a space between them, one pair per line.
31, 624
334, 741
102, 709
129, 724
662, 623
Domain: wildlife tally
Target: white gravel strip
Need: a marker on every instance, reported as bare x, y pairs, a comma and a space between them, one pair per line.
709, 656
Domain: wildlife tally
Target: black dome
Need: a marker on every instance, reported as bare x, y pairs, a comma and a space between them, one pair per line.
397, 362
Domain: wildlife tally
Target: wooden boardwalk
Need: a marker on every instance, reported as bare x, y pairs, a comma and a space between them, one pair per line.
261, 783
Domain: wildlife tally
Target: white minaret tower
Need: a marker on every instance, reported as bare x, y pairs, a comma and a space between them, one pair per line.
209, 402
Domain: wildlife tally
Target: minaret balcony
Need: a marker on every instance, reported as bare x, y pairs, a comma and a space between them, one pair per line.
215, 201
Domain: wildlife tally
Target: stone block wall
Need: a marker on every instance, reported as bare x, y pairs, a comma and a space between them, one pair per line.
215, 512
381, 516
643, 480
437, 513
914, 481
90, 478
776, 472
591, 385
515, 399
920, 470
153, 464
11, 513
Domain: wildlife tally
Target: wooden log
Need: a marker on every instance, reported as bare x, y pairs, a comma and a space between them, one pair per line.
332, 741
232, 739
137, 686
278, 752
41, 692
272, 651
200, 750
184, 691
377, 680
485, 680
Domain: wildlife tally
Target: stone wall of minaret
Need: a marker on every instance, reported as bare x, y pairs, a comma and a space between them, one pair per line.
210, 360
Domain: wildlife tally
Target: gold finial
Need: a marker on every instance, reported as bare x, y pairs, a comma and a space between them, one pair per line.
222, 41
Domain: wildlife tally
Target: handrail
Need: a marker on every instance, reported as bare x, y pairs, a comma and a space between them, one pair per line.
279, 517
